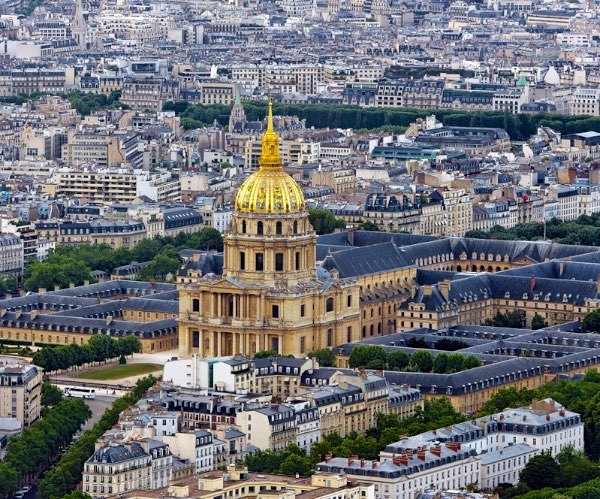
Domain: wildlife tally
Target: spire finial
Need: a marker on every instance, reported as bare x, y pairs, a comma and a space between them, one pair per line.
270, 116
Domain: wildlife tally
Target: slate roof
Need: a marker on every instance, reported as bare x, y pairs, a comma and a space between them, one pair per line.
117, 454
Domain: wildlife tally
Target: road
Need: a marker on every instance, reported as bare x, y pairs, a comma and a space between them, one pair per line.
98, 405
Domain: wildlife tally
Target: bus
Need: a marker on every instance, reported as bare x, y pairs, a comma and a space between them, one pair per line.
85, 393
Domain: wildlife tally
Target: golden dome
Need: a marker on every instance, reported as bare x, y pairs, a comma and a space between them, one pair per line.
270, 189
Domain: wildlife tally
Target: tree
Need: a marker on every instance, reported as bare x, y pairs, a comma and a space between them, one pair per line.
10, 480
591, 322
397, 360
325, 357
576, 467
540, 471
440, 363
324, 222
160, 268
146, 250
266, 354
369, 225
514, 319
128, 345
102, 347
363, 355
51, 394
57, 271
456, 363
538, 322
76, 494
421, 361
471, 362
506, 397
296, 465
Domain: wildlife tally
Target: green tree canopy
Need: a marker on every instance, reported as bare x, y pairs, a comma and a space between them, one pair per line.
591, 322
421, 361
325, 357
538, 322
540, 471
367, 355
397, 360
324, 222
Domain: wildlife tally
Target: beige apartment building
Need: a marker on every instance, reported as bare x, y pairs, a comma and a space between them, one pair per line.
100, 149
11, 255
103, 186
217, 93
21, 393
342, 180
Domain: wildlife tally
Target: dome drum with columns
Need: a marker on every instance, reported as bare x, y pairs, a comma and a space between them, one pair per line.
270, 295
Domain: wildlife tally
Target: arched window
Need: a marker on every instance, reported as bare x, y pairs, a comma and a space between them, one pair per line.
243, 226
364, 331
329, 305
259, 262
371, 330
330, 337
259, 228
296, 227
278, 228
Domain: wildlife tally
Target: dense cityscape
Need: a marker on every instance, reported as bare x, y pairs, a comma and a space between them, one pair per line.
299, 249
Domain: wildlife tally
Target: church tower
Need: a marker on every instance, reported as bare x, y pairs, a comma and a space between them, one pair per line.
270, 296
79, 26
237, 118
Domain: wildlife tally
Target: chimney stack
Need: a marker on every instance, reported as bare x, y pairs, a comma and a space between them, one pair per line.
421, 454
453, 446
362, 463
328, 457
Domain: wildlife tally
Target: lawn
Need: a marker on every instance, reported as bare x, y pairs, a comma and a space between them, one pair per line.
120, 371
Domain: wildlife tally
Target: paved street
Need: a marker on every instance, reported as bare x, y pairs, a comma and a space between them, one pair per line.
98, 406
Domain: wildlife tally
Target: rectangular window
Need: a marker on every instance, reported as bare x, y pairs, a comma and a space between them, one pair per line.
278, 262
259, 262
275, 311
297, 260
302, 310
242, 260
349, 300
302, 347
195, 305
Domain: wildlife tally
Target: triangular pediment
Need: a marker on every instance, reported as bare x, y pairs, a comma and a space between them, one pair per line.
228, 283
525, 260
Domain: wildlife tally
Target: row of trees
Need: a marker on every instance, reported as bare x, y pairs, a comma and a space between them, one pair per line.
580, 396
515, 319
31, 452
99, 348
66, 475
84, 102
568, 469
74, 264
435, 414
375, 357
518, 126
585, 230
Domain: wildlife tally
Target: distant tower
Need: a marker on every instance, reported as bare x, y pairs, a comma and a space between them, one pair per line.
237, 118
79, 26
